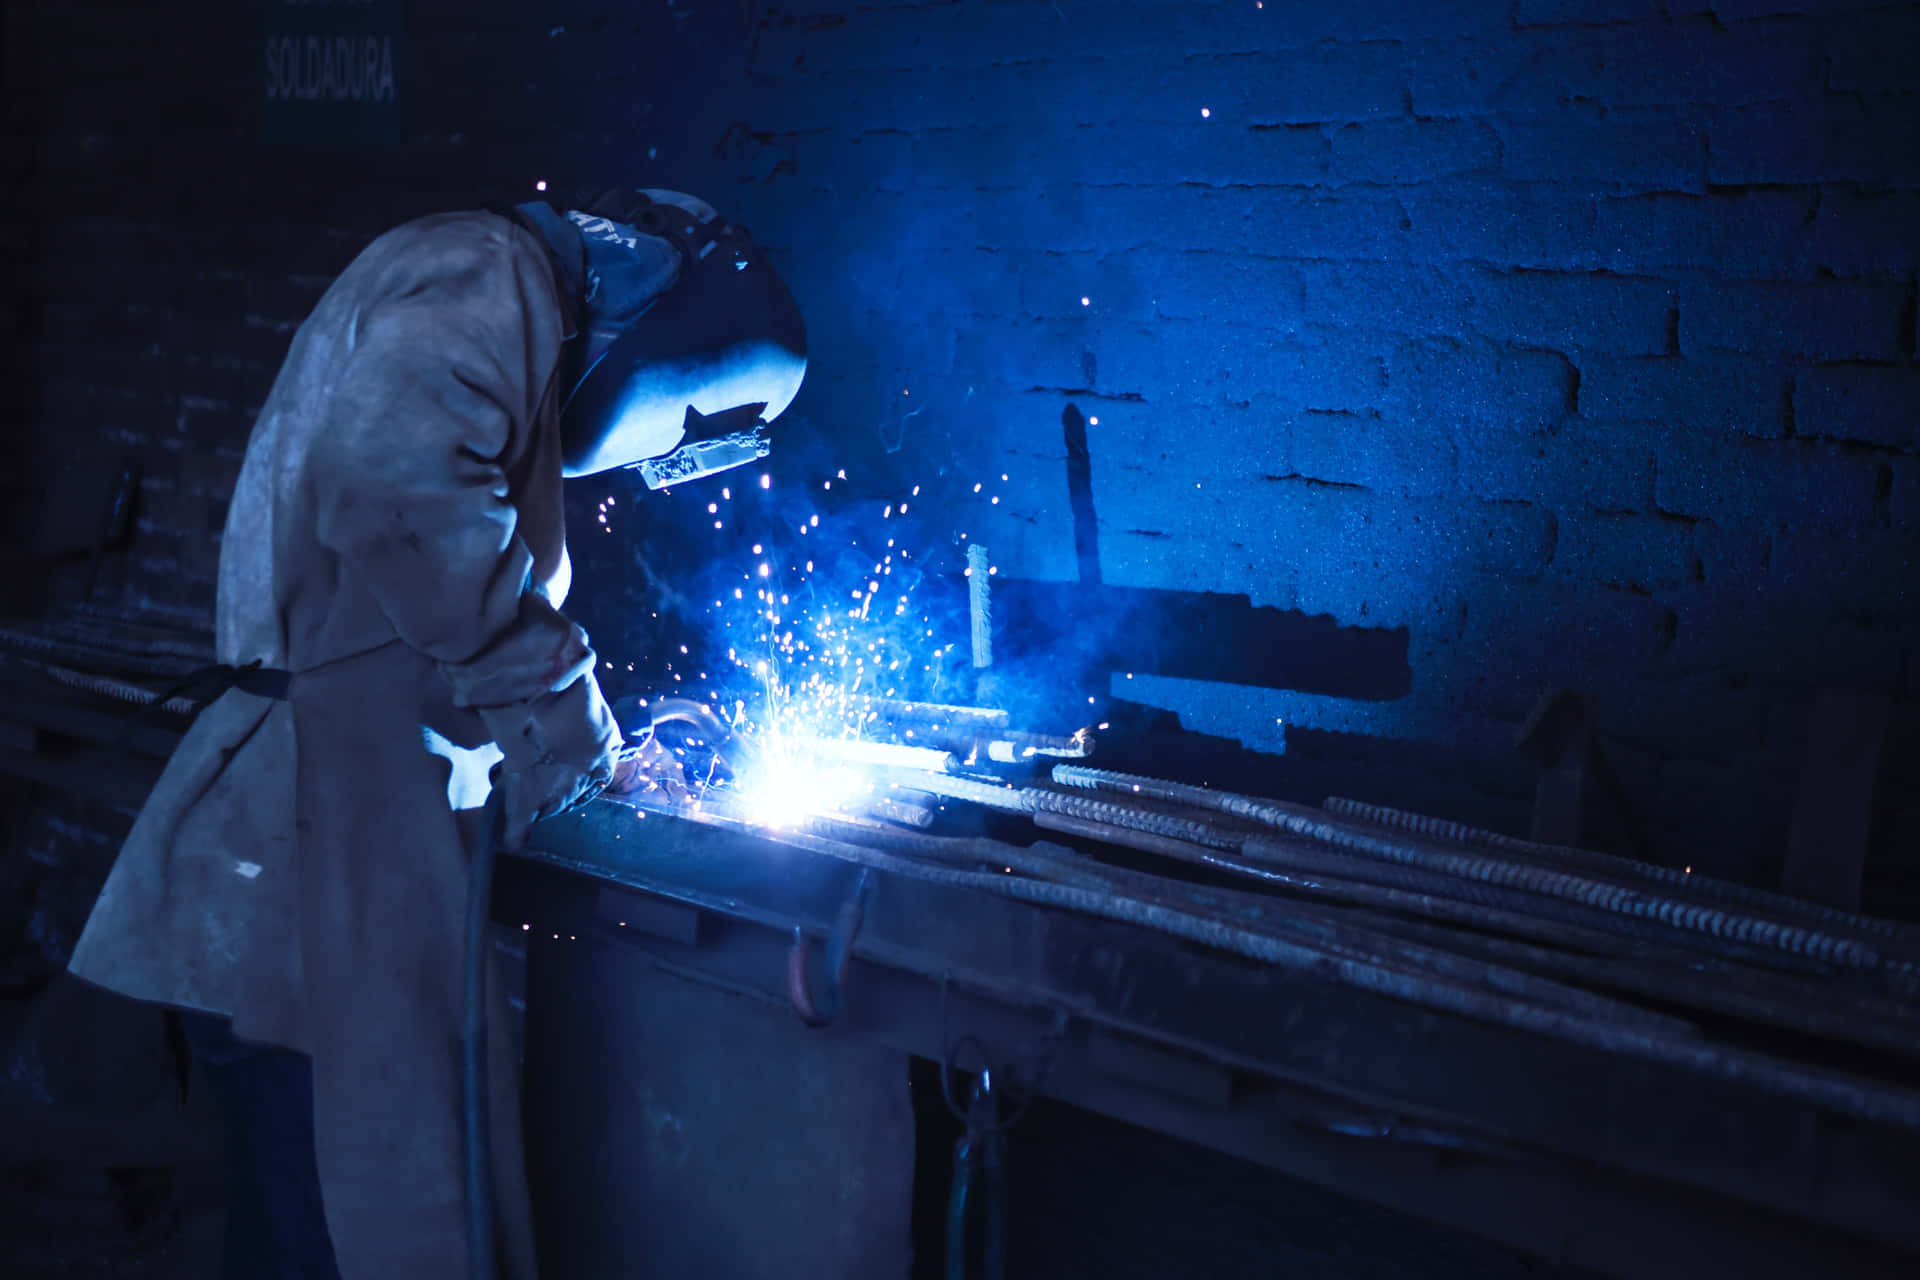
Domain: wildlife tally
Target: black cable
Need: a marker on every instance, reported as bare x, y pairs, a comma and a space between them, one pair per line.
473, 1044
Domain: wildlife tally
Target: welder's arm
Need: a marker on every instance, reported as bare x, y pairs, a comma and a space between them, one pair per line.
415, 503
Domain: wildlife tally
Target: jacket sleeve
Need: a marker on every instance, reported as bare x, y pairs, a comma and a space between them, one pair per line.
436, 390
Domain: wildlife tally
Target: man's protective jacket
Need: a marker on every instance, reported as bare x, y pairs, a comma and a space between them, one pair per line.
396, 542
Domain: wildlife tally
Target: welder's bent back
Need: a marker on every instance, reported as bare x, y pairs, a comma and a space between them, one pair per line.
396, 542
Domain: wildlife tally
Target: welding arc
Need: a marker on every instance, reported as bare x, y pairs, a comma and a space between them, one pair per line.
1301, 821
1829, 1090
1583, 955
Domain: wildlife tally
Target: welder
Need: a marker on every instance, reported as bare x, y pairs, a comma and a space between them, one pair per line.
393, 654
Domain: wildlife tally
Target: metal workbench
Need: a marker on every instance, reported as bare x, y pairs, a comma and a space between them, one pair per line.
1616, 1163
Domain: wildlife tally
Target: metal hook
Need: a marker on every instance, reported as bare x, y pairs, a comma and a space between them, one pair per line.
821, 1010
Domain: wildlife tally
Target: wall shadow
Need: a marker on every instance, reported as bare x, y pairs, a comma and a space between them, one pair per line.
1195, 635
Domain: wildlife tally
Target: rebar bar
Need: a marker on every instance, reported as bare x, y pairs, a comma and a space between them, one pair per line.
1343, 938
119, 690
1315, 825
1610, 864
1582, 955
1300, 854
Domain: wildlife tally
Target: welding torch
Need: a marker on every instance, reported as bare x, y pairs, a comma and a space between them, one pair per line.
650, 764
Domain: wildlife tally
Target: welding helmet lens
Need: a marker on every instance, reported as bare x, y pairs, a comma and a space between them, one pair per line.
688, 387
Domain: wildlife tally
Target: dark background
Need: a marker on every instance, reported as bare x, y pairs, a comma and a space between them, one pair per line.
1484, 348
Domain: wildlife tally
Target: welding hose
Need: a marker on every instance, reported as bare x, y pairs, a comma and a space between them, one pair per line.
1814, 1086
474, 1111
1301, 821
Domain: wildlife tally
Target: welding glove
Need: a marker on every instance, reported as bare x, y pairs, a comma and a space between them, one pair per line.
649, 766
557, 751
535, 692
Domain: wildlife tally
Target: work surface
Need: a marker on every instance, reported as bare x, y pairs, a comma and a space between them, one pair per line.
1717, 1083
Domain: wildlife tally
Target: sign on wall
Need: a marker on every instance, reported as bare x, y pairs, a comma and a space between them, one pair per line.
332, 72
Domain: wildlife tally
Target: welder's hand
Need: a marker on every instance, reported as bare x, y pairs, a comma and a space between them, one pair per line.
649, 767
557, 752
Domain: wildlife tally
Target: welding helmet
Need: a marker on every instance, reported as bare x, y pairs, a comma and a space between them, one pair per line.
687, 386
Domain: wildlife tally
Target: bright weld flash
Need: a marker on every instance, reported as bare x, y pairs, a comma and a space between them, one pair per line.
784, 785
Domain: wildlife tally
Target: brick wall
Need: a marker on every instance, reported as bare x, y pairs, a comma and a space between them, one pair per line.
1574, 338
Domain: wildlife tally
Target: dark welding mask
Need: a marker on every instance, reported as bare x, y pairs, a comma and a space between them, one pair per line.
688, 386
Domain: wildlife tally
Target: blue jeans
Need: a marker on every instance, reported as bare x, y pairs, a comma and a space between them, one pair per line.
276, 1229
